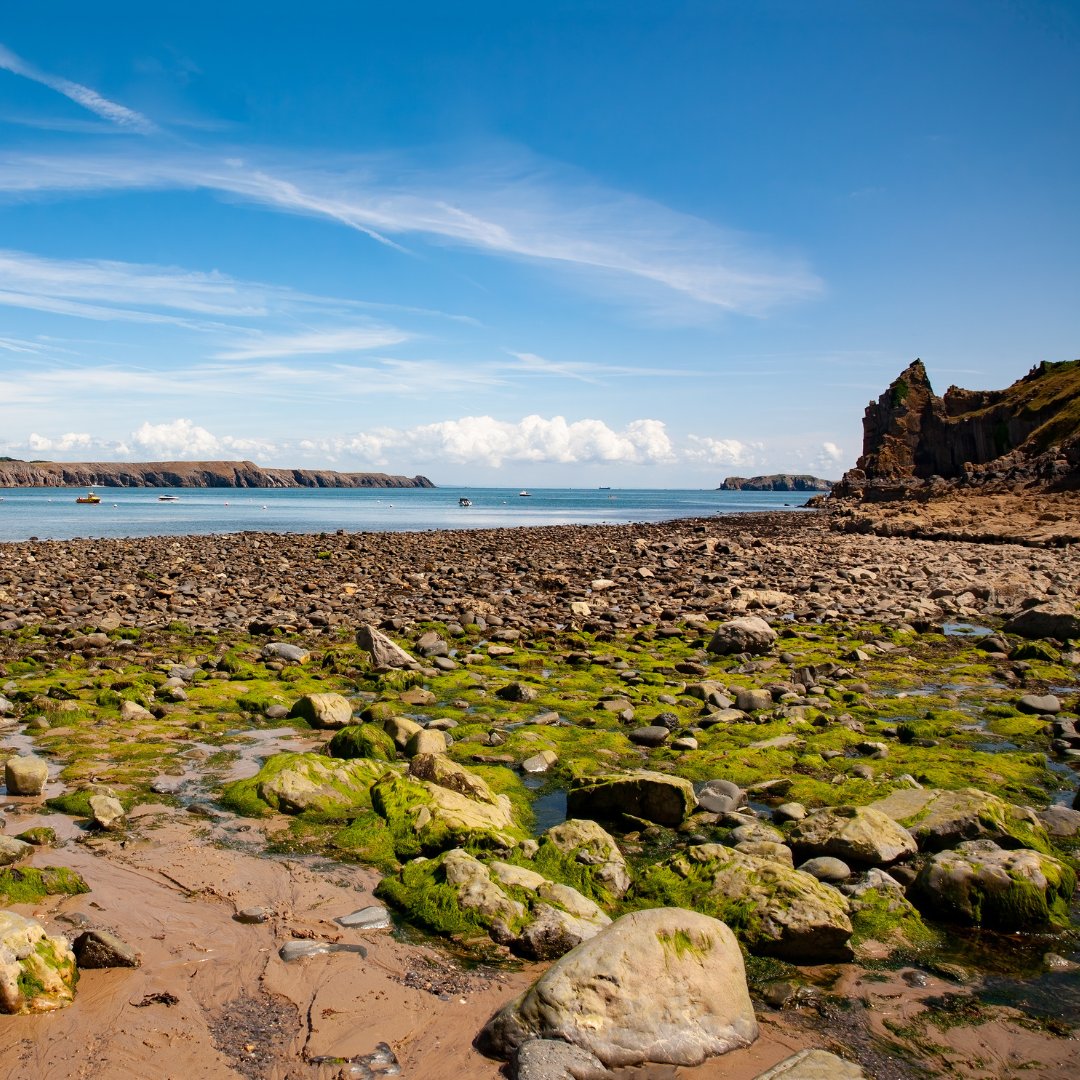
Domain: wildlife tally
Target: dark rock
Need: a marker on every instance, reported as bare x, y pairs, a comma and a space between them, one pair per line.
102, 949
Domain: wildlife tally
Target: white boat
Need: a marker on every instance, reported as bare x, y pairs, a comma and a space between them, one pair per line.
168, 498
523, 494
464, 502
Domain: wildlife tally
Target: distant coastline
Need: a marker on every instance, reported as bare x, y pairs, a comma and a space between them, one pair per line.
188, 474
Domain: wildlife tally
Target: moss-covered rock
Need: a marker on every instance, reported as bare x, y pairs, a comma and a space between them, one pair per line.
37, 972
983, 884
362, 741
884, 919
296, 783
942, 819
323, 710
774, 909
592, 849
857, 834
456, 893
29, 884
651, 796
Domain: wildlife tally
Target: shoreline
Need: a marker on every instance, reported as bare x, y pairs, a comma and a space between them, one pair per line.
535, 581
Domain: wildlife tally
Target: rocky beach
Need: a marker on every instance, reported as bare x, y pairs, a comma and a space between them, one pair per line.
341, 798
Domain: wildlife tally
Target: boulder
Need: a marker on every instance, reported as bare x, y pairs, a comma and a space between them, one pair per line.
983, 884
25, 774
517, 691
776, 910
133, 712
12, 850
1060, 821
296, 783
426, 741
286, 652
746, 634
323, 710
663, 985
750, 700
441, 770
103, 949
942, 819
37, 972
401, 729
651, 796
720, 797
655, 735
520, 908
1061, 621
362, 741
106, 812
594, 848
384, 652
1039, 704
856, 834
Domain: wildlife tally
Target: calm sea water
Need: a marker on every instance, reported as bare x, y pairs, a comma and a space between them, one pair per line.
53, 514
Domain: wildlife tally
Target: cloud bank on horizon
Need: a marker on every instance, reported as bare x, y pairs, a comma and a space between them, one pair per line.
205, 257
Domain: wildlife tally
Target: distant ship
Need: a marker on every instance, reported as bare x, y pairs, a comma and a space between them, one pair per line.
168, 498
523, 494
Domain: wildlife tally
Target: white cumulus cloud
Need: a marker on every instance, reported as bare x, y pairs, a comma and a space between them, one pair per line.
182, 439
705, 450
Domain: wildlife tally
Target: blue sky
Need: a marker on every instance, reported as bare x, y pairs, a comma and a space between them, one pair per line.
560, 243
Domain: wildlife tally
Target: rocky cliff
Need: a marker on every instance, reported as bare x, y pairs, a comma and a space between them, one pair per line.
1024, 437
192, 474
776, 482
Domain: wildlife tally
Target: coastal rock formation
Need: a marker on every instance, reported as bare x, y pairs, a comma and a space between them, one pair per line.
776, 482
1027, 435
192, 474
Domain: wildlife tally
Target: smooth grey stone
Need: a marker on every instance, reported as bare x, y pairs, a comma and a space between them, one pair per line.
297, 949
253, 915
826, 868
369, 918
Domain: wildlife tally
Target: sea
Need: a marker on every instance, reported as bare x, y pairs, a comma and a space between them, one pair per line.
53, 513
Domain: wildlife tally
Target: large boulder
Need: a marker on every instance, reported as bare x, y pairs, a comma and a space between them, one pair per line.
856, 834
651, 796
37, 972
426, 817
384, 652
746, 634
594, 849
323, 710
775, 909
362, 741
942, 819
295, 783
663, 985
1052, 620
25, 774
983, 884
519, 907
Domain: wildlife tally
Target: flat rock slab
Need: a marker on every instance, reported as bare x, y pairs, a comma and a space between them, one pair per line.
813, 1065
375, 917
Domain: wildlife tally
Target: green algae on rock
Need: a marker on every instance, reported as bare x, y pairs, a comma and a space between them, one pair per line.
651, 796
37, 972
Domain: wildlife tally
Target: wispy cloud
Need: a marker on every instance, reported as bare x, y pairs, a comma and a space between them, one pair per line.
624, 245
119, 115
349, 339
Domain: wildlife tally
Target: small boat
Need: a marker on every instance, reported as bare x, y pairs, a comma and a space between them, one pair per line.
523, 494
464, 502
605, 488
168, 498
89, 498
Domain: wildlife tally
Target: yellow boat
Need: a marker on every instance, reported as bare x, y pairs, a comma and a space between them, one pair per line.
89, 497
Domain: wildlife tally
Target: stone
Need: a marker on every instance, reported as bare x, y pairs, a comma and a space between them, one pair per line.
133, 712
746, 634
25, 774
781, 912
595, 848
374, 917
656, 797
446, 773
553, 1059
856, 834
286, 651
649, 736
106, 812
103, 949
12, 850
401, 729
295, 783
540, 763
426, 741
1060, 621
826, 868
983, 884
362, 741
749, 700
517, 691
253, 916
720, 797
663, 985
941, 819
813, 1065
1047, 704
384, 652
37, 972
1060, 822
323, 710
